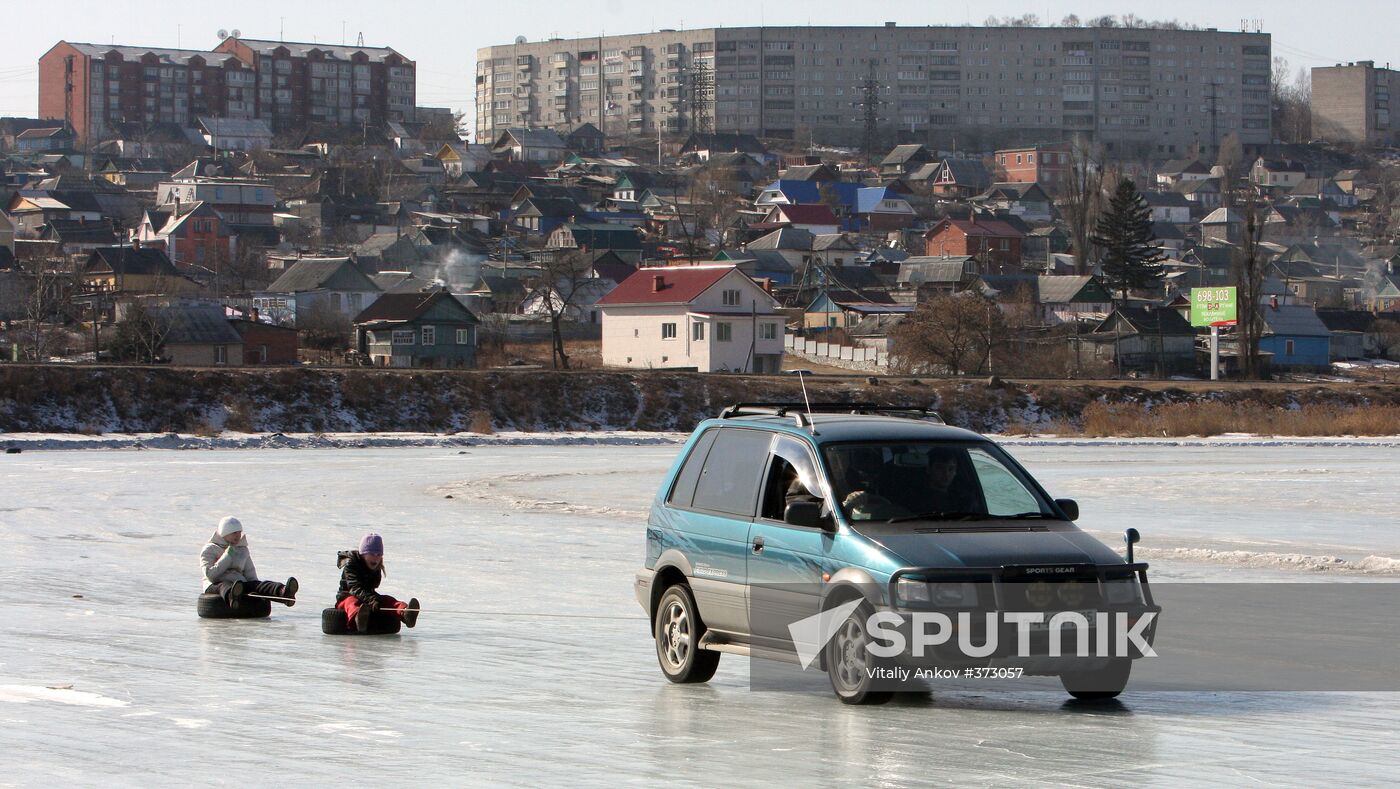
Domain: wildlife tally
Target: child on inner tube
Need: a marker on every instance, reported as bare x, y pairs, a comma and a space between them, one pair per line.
360, 575
229, 571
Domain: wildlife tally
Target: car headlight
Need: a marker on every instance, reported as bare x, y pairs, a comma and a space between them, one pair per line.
1121, 590
909, 590
955, 594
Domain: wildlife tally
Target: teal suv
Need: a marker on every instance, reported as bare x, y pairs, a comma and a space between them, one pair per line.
776, 512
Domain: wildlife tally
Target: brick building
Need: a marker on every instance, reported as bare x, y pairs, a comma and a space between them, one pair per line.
288, 84
993, 242
1042, 164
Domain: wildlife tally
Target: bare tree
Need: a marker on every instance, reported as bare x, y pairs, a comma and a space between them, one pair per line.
1081, 195
139, 336
955, 332
561, 284
1291, 102
1250, 262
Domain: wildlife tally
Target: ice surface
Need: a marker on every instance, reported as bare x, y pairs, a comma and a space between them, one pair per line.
533, 665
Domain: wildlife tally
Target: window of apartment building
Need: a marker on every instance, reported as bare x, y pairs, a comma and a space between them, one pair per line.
697, 331
724, 332
668, 331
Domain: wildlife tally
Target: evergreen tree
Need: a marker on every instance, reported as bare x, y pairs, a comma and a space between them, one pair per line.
1131, 256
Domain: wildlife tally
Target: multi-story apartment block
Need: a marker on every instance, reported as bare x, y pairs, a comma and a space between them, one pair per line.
1137, 90
1351, 103
290, 85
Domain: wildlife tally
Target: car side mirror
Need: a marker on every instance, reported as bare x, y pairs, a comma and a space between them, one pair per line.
1131, 537
1069, 507
803, 513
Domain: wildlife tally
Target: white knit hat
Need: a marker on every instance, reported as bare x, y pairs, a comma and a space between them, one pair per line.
229, 525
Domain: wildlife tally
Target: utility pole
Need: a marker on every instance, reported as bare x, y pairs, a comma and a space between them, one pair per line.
869, 105
701, 89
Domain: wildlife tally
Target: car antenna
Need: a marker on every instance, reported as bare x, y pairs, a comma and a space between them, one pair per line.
802, 379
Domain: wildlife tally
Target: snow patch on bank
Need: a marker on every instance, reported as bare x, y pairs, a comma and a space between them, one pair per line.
61, 694
53, 441
1367, 565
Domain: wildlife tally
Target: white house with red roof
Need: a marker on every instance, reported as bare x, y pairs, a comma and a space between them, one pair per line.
710, 318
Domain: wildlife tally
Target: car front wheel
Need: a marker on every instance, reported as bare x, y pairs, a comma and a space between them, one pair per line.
849, 662
677, 630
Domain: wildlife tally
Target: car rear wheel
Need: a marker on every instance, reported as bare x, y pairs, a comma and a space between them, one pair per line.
677, 630
1099, 685
849, 662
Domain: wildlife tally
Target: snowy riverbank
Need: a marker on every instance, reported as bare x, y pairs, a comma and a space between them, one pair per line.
234, 440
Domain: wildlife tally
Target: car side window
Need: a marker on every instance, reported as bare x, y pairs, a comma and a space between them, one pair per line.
730, 479
683, 492
792, 476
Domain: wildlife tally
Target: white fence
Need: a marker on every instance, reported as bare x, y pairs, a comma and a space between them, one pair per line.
852, 357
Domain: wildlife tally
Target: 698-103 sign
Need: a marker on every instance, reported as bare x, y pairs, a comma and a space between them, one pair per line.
1213, 307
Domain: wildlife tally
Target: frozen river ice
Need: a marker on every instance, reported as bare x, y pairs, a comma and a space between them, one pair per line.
533, 665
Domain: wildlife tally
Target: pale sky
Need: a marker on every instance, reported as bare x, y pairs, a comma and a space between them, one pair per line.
443, 36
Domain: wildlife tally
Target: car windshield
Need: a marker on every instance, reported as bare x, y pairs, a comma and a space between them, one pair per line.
930, 481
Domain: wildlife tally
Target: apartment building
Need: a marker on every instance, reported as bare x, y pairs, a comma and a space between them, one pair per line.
1139, 91
1351, 103
287, 84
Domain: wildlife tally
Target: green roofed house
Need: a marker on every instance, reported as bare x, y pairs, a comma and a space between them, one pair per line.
426, 329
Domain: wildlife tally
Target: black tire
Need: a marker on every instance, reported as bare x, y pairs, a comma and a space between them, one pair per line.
382, 623
212, 606
676, 630
848, 661
1100, 685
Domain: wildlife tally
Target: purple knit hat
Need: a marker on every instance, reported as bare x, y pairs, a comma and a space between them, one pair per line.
372, 543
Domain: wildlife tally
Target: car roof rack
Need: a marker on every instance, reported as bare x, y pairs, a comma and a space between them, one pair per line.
799, 411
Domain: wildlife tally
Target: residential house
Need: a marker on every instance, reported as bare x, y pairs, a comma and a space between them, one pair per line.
809, 172
1036, 164
312, 286
1168, 207
873, 207
541, 215
78, 237
1386, 297
497, 294
134, 270
199, 335
1325, 190
905, 159
1204, 193
993, 242
7, 234
1025, 199
1295, 336
30, 210
1271, 173
956, 178
235, 134
1053, 298
812, 218
392, 251
1223, 225
458, 158
597, 236
1353, 333
243, 203
193, 235
541, 146
1155, 340
710, 318
1177, 171
703, 145
45, 140
844, 309
880, 208
761, 264
931, 276
266, 343
585, 139
427, 329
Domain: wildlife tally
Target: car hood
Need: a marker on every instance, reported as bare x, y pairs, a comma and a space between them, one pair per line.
991, 547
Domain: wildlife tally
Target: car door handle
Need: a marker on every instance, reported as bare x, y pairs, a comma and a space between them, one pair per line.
758, 545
